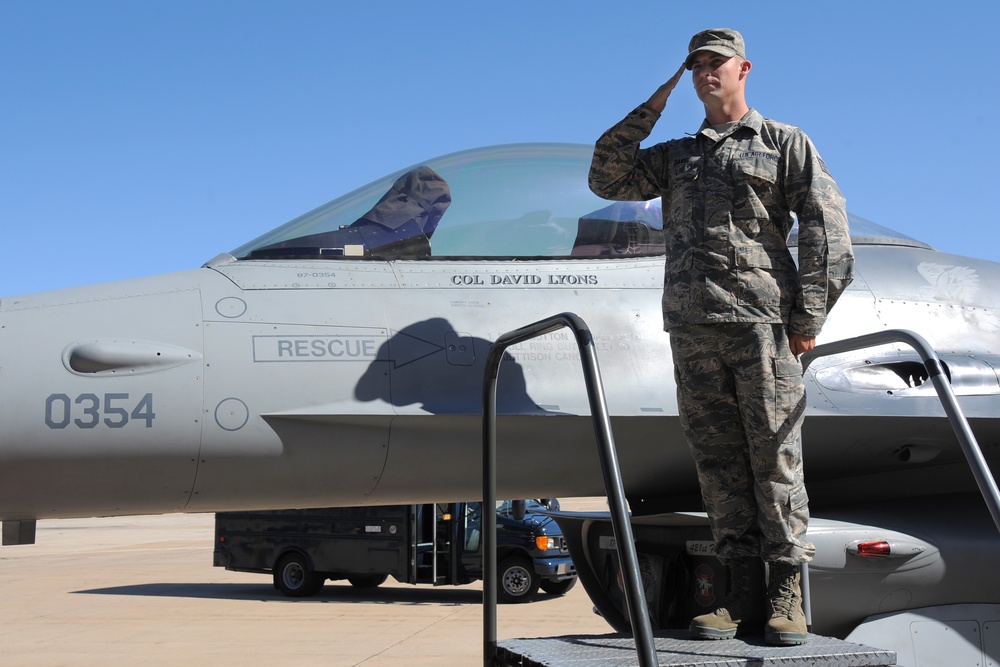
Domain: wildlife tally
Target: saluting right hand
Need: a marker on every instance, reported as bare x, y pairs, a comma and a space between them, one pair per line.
658, 100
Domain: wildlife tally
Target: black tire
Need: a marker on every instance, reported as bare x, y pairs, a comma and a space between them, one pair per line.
517, 581
294, 576
558, 587
367, 580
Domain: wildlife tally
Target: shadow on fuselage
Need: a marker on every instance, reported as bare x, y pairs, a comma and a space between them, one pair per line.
441, 370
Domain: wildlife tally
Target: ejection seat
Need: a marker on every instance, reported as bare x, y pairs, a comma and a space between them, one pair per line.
399, 225
623, 228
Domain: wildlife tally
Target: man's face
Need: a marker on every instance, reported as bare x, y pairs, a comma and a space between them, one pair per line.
716, 76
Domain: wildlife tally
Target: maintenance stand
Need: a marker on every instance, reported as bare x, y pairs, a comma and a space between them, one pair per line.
643, 648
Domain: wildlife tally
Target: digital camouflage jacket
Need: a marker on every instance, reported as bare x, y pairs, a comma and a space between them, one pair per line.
727, 205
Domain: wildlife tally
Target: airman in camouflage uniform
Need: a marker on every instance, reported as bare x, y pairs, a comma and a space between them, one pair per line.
739, 312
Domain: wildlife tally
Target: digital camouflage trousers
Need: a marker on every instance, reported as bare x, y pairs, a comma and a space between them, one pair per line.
741, 402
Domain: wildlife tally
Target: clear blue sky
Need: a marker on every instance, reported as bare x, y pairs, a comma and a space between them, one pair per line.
146, 136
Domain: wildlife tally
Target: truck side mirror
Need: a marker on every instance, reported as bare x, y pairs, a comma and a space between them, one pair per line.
518, 509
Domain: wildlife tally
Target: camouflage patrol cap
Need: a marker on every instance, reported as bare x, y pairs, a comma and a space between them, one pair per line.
718, 40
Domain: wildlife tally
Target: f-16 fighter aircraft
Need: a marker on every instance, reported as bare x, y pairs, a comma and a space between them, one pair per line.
338, 360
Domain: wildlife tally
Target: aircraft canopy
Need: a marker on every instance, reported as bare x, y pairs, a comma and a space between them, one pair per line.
518, 201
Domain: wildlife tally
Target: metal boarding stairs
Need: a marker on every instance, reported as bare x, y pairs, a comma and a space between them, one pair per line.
670, 646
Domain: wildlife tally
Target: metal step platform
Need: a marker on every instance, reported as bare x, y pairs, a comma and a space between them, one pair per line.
670, 647
676, 649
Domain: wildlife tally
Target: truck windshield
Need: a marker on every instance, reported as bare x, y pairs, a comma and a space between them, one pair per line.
530, 505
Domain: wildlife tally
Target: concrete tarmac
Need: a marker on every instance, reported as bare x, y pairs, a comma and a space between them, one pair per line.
142, 591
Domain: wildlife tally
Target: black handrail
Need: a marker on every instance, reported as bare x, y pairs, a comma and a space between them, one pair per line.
634, 594
935, 370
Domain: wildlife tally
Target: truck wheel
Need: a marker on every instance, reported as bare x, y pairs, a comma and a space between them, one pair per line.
294, 577
517, 580
367, 580
558, 587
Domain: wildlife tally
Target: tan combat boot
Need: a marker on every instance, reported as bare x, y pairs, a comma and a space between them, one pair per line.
786, 625
742, 609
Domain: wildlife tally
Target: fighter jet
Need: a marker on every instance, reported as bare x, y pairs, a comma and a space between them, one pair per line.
338, 360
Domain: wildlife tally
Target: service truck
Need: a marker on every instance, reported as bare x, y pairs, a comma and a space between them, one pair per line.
436, 543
